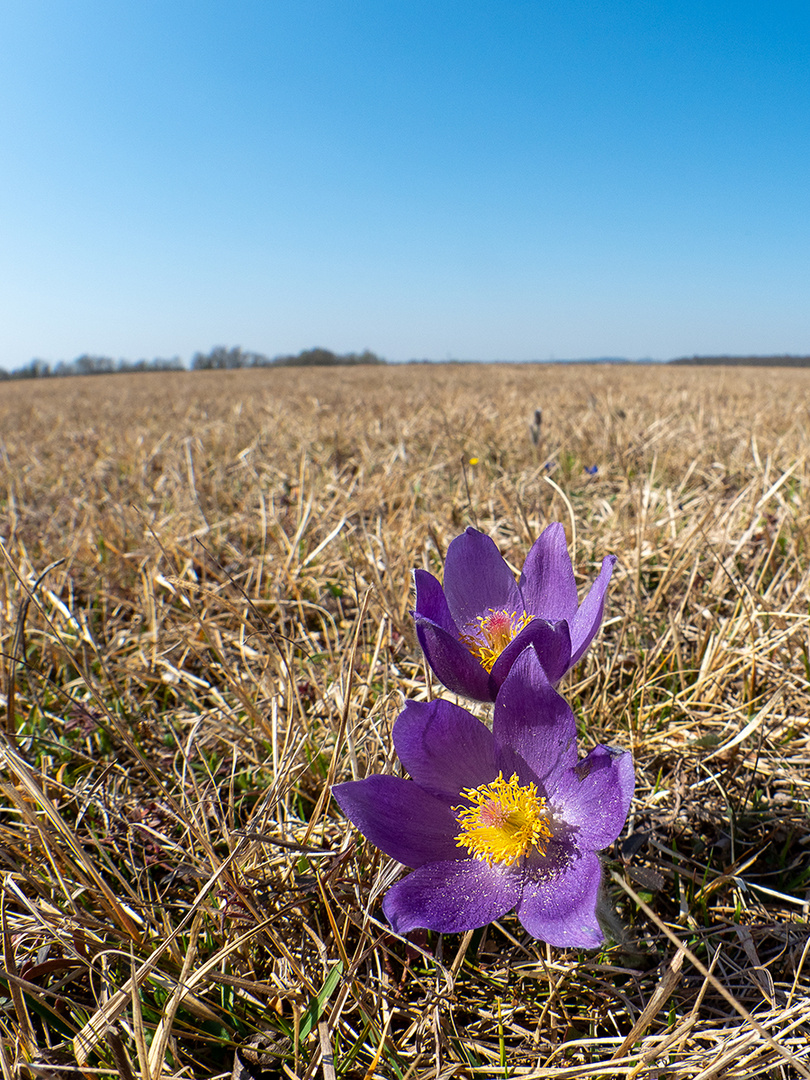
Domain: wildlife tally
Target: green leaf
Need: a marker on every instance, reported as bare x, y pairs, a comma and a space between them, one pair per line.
313, 1011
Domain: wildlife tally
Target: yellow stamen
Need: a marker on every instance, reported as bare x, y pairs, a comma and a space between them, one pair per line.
494, 631
505, 821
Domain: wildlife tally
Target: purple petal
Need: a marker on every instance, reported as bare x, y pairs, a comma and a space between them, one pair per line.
401, 819
431, 603
547, 582
559, 906
594, 797
532, 719
589, 617
552, 643
451, 897
477, 580
453, 663
444, 748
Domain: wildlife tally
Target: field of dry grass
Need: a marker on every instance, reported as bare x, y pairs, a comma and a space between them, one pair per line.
206, 584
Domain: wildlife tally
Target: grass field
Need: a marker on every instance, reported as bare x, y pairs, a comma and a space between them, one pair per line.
206, 587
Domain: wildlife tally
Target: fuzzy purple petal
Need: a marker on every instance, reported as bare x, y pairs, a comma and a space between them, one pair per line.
452, 663
547, 582
400, 818
589, 617
594, 797
532, 719
477, 580
552, 643
444, 748
451, 897
431, 603
558, 905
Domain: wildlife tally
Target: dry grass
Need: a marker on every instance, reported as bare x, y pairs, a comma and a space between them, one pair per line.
205, 595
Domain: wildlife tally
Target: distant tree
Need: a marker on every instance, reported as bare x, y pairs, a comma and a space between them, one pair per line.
318, 357
93, 365
158, 364
36, 369
40, 369
368, 357
208, 361
172, 363
222, 359
256, 359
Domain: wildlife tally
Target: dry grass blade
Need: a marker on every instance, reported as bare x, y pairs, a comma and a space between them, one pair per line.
732, 1001
662, 993
93, 1031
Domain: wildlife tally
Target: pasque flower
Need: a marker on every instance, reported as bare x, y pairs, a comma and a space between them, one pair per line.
496, 819
472, 629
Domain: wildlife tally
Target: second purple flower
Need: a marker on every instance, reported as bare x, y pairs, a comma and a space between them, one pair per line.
473, 628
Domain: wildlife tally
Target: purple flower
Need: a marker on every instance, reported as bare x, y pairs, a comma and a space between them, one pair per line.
495, 820
474, 628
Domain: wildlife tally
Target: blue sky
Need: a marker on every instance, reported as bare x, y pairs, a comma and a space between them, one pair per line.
423, 178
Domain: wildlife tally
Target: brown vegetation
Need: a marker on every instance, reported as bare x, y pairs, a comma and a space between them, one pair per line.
205, 622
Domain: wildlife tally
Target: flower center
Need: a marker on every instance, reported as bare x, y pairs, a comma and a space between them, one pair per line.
489, 635
504, 822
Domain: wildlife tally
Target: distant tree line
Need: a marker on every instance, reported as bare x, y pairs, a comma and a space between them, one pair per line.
325, 358
221, 359
89, 365
744, 361
218, 359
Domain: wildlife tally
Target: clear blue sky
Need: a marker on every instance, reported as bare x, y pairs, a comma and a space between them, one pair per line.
424, 178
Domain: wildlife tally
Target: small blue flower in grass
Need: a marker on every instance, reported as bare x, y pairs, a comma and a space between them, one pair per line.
472, 629
496, 820
591, 470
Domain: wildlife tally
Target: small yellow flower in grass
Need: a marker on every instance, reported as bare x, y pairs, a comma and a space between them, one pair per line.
506, 820
474, 461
